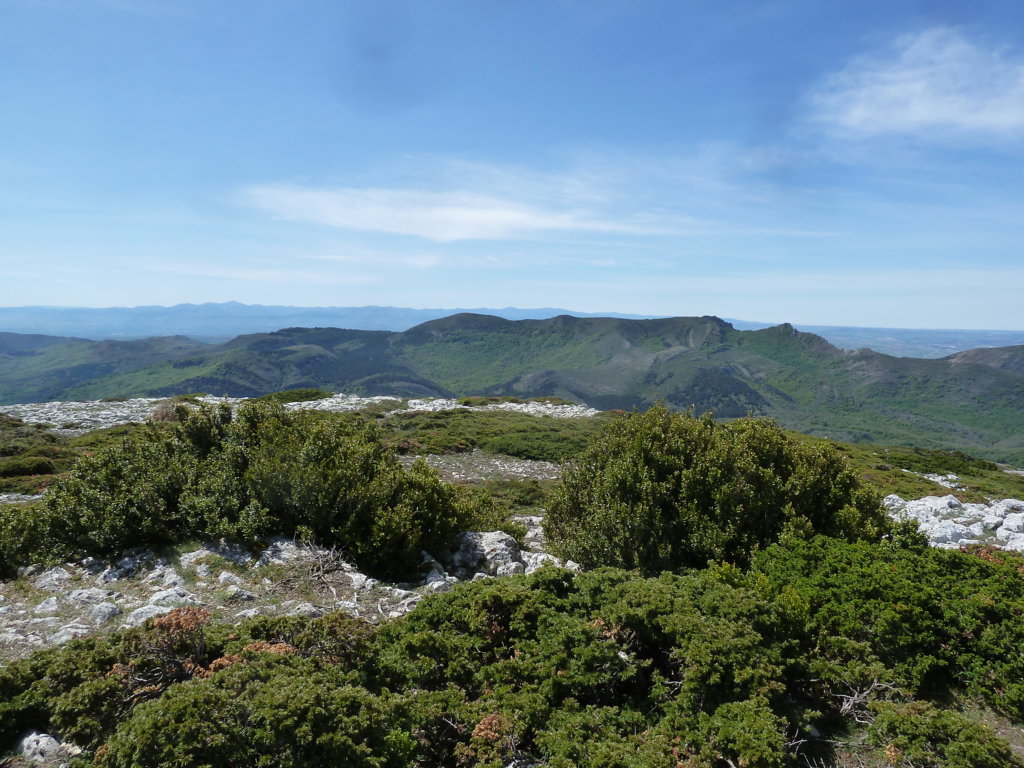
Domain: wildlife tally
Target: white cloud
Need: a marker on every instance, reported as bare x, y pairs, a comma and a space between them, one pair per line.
438, 216
934, 84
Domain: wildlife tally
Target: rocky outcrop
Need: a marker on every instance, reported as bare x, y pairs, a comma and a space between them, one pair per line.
951, 523
49, 606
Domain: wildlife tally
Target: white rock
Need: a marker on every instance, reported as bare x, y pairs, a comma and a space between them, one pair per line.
947, 532
233, 553
235, 592
108, 575
70, 632
173, 596
140, 615
104, 612
49, 605
514, 568
295, 608
53, 580
227, 577
1014, 522
536, 560
40, 748
282, 551
485, 551
977, 530
1015, 544
89, 596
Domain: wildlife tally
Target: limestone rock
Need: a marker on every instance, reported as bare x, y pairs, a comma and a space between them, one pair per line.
482, 551
55, 579
104, 612
140, 615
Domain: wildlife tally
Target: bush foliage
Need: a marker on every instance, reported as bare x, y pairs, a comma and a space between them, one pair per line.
666, 490
260, 472
766, 668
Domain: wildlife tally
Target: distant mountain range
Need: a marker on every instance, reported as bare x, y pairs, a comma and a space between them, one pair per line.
972, 400
221, 322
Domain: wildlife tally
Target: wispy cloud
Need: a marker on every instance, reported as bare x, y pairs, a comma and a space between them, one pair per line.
266, 275
936, 83
439, 216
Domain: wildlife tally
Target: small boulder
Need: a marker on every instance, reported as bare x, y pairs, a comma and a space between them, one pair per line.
140, 615
237, 594
104, 612
54, 579
172, 597
482, 551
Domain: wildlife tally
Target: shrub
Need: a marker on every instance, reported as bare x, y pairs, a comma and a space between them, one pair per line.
304, 395
260, 472
918, 734
665, 490
28, 465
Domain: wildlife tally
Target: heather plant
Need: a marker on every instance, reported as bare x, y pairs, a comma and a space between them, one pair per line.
664, 490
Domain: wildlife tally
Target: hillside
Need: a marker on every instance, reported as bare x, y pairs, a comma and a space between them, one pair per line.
1003, 358
970, 401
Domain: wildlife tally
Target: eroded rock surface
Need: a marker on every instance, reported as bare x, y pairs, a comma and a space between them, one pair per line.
951, 523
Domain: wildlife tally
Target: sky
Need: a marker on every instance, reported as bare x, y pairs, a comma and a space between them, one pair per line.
807, 161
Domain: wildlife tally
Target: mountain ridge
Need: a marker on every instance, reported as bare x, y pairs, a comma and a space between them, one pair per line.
969, 401
218, 322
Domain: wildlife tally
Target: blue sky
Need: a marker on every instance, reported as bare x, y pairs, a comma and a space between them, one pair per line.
811, 161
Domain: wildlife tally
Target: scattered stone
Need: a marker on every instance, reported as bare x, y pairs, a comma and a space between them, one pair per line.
90, 596
295, 608
49, 605
172, 597
104, 612
53, 580
535, 560
140, 615
69, 632
515, 568
236, 593
41, 748
281, 552
482, 551
227, 577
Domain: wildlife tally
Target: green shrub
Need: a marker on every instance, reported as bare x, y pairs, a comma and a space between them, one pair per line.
918, 734
260, 472
666, 490
26, 465
304, 395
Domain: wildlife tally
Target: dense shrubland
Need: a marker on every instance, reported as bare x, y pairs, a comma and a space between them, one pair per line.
772, 617
695, 669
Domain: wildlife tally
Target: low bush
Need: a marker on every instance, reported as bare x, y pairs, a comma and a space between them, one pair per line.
257, 473
26, 465
666, 490
304, 395
702, 669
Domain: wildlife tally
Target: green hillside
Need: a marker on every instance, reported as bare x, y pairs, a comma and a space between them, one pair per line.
970, 401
